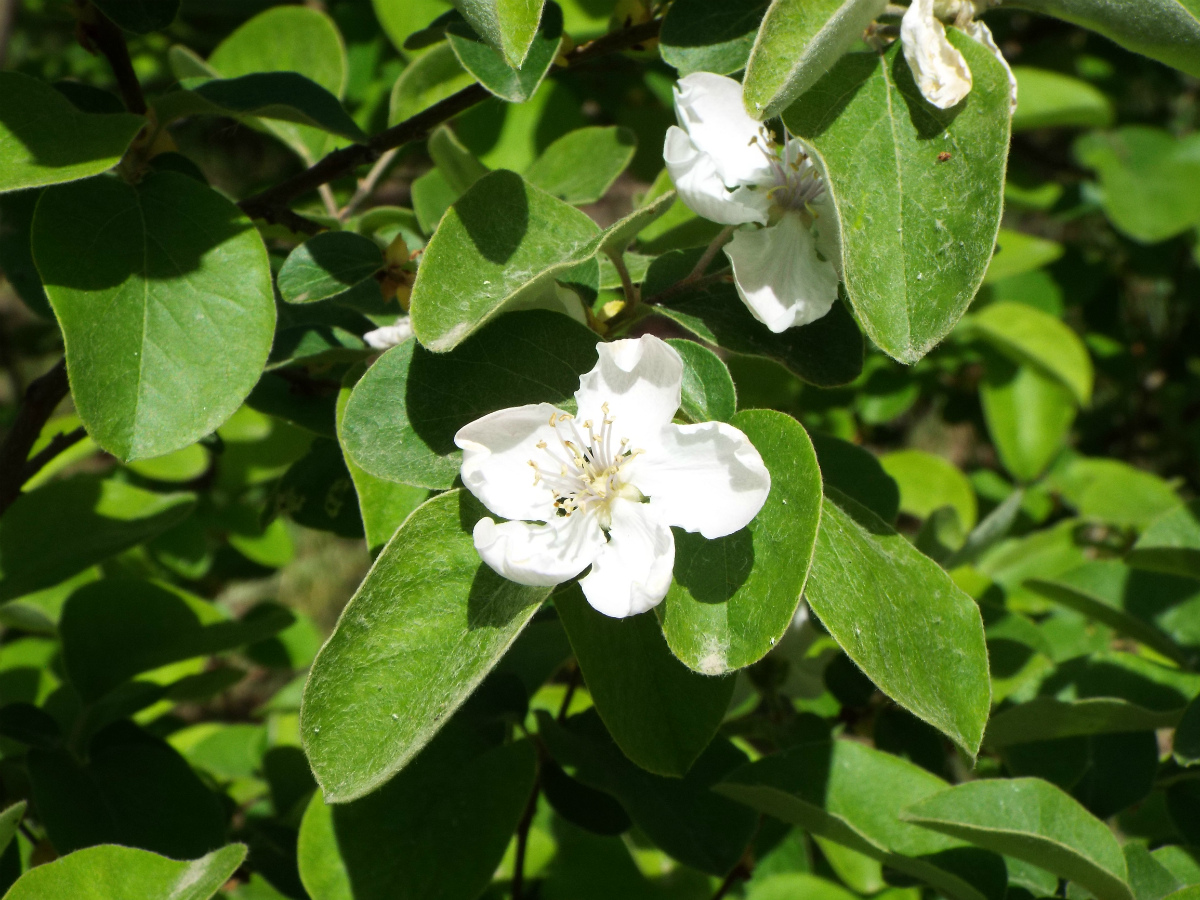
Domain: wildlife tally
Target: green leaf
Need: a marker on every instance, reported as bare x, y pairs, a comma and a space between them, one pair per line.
799, 41
189, 313
288, 39
790, 885
402, 416
582, 165
901, 619
708, 391
845, 792
710, 35
134, 789
1150, 179
116, 628
1028, 415
661, 714
618, 236
1171, 543
457, 165
1186, 744
1018, 253
917, 233
1166, 30
1048, 719
16, 259
328, 265
141, 16
680, 815
857, 473
1028, 335
64, 527
110, 872
733, 598
509, 26
826, 353
928, 482
437, 830
1139, 605
44, 139
1048, 99
424, 628
431, 77
282, 96
1112, 491
1033, 821
401, 18
492, 66
503, 241
318, 492
1149, 879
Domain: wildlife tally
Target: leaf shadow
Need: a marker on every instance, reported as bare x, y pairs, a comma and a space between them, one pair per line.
712, 571
496, 215
926, 118
821, 105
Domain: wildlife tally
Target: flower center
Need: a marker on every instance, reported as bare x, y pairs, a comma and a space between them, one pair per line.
794, 182
584, 472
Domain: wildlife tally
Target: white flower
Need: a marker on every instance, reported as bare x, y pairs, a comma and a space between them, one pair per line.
728, 168
390, 335
938, 67
609, 482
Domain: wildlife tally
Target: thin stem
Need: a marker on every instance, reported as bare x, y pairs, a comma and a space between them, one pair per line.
710, 253
330, 201
109, 40
686, 284
572, 684
272, 204
367, 185
41, 398
631, 292
518, 877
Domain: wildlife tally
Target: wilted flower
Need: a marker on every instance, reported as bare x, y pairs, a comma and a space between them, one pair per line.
390, 335
729, 168
603, 488
938, 67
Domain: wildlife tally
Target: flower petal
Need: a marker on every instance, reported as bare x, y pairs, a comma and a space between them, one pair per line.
779, 275
707, 478
701, 189
632, 572
938, 68
389, 335
983, 34
641, 380
710, 109
497, 450
539, 554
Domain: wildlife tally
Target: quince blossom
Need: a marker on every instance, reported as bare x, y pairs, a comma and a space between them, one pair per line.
388, 336
602, 488
938, 67
728, 168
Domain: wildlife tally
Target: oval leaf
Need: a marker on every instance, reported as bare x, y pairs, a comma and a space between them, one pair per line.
189, 312
1034, 821
327, 265
733, 598
515, 83
710, 35
504, 240
661, 714
902, 620
44, 139
1029, 335
424, 628
918, 228
799, 41
124, 873
510, 26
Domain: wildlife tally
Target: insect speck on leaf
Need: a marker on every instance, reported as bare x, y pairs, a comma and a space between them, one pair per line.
944, 156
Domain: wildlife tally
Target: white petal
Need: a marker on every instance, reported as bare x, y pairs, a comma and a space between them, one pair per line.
700, 186
707, 478
390, 335
709, 108
983, 34
632, 572
497, 450
779, 275
539, 554
641, 380
938, 68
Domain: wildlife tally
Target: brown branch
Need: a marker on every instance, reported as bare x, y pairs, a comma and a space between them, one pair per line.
8, 20
60, 442
518, 875
108, 39
272, 204
41, 399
